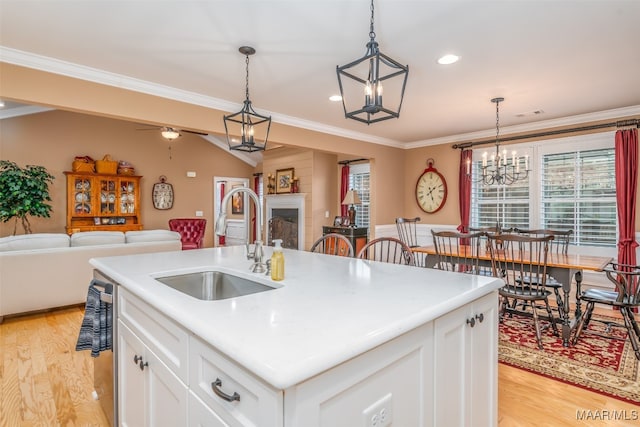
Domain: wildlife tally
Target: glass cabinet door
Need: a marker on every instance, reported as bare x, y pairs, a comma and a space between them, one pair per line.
107, 196
128, 190
82, 196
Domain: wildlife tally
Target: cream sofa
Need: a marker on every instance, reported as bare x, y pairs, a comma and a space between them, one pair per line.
43, 271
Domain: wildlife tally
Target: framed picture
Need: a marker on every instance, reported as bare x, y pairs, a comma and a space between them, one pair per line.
341, 221
237, 202
284, 178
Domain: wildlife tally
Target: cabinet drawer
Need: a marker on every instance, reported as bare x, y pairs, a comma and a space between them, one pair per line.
165, 338
259, 405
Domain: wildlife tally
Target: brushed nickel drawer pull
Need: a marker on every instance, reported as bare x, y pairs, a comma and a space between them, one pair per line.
229, 398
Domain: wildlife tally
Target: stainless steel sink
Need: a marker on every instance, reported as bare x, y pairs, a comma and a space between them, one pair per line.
213, 285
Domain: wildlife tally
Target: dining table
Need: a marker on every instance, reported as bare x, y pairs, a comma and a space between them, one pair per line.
562, 267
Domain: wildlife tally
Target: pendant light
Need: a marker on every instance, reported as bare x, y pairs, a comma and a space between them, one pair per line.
361, 84
500, 168
247, 130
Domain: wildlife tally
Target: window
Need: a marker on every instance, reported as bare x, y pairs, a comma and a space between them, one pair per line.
571, 185
359, 181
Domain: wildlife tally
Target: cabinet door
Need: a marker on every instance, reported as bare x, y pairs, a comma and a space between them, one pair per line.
200, 415
108, 195
483, 359
167, 396
451, 349
128, 195
131, 381
466, 358
81, 195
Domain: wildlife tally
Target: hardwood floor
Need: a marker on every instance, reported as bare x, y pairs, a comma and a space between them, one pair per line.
45, 382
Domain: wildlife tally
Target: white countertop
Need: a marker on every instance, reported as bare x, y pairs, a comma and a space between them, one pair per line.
326, 311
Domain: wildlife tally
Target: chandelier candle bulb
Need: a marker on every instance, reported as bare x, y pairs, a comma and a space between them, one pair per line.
468, 166
484, 159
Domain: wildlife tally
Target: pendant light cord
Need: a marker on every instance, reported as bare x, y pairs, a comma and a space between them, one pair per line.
247, 77
497, 123
372, 33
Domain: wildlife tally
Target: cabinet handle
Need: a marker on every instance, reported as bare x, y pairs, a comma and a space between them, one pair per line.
229, 398
142, 365
137, 359
471, 322
480, 317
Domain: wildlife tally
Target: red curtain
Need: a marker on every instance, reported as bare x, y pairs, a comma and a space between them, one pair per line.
344, 187
221, 238
626, 159
464, 189
256, 184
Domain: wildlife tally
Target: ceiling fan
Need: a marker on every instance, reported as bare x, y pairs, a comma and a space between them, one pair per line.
170, 133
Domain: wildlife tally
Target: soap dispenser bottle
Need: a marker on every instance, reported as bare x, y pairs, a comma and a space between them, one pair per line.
277, 261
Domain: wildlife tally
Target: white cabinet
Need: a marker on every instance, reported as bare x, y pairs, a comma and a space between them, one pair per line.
392, 382
466, 363
149, 393
442, 373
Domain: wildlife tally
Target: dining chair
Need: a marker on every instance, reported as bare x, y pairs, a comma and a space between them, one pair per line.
191, 231
521, 261
459, 252
387, 249
333, 244
626, 298
408, 234
558, 246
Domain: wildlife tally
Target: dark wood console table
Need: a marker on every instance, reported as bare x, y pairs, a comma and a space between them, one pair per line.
358, 236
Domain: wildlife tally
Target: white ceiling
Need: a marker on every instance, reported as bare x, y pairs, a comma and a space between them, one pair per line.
565, 58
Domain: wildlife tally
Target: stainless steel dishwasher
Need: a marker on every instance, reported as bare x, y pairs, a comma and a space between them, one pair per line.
105, 366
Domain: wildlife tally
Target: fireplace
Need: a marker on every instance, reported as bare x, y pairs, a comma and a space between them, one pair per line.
285, 220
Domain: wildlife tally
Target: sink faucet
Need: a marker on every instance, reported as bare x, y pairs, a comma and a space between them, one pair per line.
257, 255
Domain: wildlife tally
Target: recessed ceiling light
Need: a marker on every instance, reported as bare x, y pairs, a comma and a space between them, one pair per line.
448, 59
335, 98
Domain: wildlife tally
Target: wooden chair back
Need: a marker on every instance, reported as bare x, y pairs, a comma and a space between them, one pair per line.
387, 249
560, 242
407, 230
521, 261
333, 244
459, 252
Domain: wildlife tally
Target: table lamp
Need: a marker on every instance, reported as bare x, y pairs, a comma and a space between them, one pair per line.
351, 198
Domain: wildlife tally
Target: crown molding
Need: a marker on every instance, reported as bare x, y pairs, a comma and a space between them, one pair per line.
614, 114
68, 69
56, 66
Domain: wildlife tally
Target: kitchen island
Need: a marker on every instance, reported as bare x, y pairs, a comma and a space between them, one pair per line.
339, 342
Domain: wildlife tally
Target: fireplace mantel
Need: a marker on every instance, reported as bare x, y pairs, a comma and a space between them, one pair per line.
287, 201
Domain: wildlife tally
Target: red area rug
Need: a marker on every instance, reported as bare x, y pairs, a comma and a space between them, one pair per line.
598, 364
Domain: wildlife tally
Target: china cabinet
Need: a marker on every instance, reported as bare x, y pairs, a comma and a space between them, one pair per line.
102, 202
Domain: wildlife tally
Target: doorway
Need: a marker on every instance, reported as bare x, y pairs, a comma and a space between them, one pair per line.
238, 210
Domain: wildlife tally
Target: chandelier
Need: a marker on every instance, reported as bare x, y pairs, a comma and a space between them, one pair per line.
362, 80
252, 128
500, 168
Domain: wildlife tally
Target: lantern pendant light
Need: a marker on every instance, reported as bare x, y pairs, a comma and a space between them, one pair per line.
362, 81
247, 130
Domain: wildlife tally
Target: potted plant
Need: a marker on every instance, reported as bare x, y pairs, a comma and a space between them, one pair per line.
23, 193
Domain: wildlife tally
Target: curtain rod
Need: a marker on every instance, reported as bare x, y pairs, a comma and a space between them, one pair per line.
346, 162
620, 123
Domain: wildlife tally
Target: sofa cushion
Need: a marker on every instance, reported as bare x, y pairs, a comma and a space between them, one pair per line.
92, 238
151, 236
34, 241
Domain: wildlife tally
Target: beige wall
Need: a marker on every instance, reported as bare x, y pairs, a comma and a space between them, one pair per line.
52, 139
393, 171
41, 88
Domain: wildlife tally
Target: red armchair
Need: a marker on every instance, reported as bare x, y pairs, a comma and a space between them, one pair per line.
191, 231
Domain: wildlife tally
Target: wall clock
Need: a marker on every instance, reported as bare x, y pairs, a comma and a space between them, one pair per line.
431, 189
162, 194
